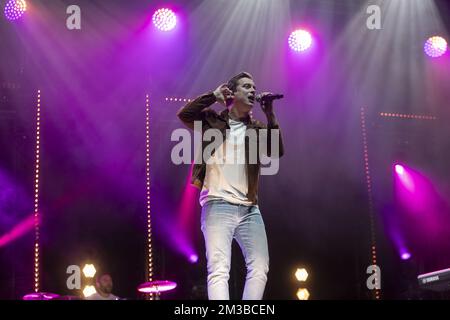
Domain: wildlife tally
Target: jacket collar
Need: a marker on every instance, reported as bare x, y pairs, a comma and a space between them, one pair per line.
225, 115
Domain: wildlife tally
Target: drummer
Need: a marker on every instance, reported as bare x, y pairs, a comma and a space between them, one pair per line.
104, 287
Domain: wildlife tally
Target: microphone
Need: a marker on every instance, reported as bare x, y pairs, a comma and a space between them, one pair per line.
268, 97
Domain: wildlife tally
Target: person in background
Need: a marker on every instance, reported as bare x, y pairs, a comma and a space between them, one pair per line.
104, 287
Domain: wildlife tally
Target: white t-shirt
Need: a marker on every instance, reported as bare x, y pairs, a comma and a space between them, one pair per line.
97, 296
226, 176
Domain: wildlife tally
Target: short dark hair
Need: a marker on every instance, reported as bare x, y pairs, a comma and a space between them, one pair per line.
232, 83
100, 275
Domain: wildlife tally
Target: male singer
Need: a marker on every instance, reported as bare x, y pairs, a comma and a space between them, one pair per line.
229, 189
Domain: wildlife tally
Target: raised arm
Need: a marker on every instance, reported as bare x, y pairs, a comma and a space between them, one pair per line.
193, 111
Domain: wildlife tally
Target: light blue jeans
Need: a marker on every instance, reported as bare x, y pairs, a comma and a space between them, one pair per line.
221, 222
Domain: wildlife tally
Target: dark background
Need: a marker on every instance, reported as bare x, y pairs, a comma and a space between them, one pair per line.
93, 84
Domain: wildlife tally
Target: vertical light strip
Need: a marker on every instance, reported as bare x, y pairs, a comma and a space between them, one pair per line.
370, 195
36, 194
147, 174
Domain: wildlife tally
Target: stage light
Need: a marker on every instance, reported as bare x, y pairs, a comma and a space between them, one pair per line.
89, 271
147, 178
147, 166
369, 191
405, 255
302, 294
18, 231
14, 9
300, 40
36, 213
435, 46
193, 258
399, 169
407, 116
301, 274
89, 291
164, 19
177, 99
405, 178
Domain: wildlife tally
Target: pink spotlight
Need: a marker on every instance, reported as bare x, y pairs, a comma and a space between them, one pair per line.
405, 255
300, 40
193, 258
399, 169
19, 230
435, 46
187, 211
164, 19
405, 177
14, 9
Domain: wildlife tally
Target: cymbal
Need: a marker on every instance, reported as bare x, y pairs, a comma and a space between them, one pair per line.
40, 296
156, 286
68, 298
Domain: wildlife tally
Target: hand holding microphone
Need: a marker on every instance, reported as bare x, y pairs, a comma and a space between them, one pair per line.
268, 97
266, 100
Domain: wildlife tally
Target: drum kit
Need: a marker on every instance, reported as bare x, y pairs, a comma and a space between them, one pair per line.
156, 287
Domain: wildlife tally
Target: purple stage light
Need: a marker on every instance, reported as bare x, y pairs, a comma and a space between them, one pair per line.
193, 258
399, 169
164, 19
405, 178
405, 255
14, 9
435, 46
19, 230
300, 40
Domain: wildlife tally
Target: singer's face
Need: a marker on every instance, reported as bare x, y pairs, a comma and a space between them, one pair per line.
245, 93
